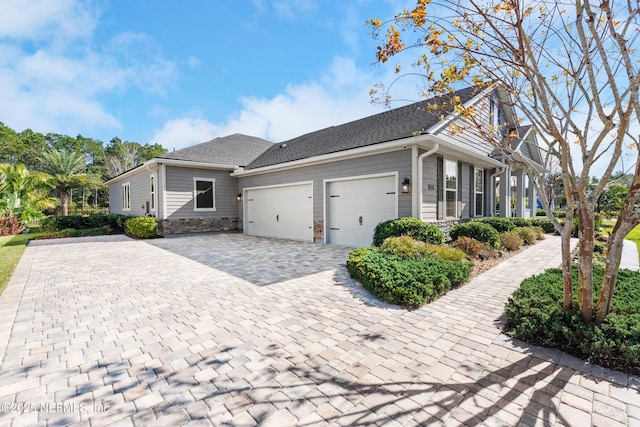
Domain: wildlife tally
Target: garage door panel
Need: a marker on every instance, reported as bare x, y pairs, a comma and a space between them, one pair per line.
357, 206
284, 212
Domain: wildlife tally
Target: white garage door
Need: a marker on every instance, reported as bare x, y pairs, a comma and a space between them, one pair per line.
285, 212
357, 206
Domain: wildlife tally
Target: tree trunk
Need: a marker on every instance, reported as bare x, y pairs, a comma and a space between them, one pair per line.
64, 201
612, 264
585, 262
565, 235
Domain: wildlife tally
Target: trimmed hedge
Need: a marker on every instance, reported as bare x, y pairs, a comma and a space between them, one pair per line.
480, 231
405, 281
412, 227
520, 222
534, 314
80, 222
544, 223
142, 226
501, 224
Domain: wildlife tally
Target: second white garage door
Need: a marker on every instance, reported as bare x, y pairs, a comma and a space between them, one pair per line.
285, 212
356, 206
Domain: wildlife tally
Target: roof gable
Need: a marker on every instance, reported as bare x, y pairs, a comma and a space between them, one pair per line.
236, 150
391, 125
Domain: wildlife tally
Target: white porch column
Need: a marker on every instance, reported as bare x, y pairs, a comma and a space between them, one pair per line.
533, 197
520, 194
505, 193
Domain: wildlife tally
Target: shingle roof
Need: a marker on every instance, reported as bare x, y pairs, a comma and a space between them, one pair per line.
390, 125
235, 150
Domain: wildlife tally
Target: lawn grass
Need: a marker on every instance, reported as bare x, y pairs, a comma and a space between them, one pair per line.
634, 235
11, 250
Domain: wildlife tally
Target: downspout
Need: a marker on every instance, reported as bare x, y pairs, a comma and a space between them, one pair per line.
155, 202
421, 157
492, 209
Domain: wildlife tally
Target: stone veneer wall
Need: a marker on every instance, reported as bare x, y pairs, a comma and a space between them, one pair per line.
445, 226
197, 225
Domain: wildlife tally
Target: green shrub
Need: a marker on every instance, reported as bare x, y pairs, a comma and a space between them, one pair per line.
141, 226
511, 240
499, 223
469, 246
408, 226
405, 281
408, 247
541, 212
544, 223
534, 314
80, 222
520, 222
528, 234
482, 232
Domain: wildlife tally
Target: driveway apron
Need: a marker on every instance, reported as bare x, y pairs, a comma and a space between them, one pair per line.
228, 329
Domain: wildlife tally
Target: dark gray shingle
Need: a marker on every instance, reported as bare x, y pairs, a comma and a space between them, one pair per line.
235, 150
390, 125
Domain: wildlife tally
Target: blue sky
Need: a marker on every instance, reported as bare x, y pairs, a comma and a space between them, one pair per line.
179, 73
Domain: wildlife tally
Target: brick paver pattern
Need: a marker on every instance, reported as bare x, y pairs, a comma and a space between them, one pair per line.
113, 331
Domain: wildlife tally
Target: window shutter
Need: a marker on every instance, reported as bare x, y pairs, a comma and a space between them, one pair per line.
472, 191
440, 187
487, 193
459, 189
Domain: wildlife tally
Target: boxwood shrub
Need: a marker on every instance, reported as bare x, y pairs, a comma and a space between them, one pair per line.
408, 226
534, 314
520, 222
409, 282
499, 223
143, 227
544, 223
480, 231
81, 222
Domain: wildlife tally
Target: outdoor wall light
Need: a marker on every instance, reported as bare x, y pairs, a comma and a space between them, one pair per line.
239, 197
406, 185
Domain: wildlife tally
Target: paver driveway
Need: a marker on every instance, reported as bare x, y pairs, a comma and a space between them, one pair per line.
229, 329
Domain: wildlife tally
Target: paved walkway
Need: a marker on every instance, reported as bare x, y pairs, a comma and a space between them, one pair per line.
108, 330
629, 257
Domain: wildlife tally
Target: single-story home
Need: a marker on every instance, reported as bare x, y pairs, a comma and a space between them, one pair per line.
336, 184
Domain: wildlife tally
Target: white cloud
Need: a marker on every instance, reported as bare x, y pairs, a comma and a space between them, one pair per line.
52, 75
338, 96
183, 132
41, 19
193, 62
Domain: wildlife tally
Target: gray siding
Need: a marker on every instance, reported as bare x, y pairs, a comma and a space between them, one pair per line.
139, 194
430, 188
397, 161
179, 193
470, 140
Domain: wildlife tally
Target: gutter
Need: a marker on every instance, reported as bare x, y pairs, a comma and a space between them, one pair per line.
421, 157
493, 188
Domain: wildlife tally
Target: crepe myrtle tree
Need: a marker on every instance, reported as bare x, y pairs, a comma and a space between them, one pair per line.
570, 69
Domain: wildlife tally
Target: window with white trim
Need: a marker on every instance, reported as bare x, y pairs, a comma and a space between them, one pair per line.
479, 192
126, 196
204, 194
451, 188
152, 192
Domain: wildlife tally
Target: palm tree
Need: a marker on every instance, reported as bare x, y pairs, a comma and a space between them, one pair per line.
21, 187
67, 170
